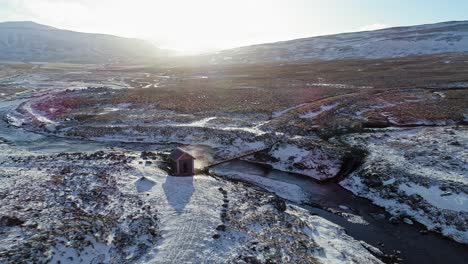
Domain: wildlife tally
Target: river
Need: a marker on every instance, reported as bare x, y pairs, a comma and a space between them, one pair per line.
415, 247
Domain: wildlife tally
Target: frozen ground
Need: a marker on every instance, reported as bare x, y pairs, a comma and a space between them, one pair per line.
308, 156
117, 207
209, 220
50, 114
69, 208
419, 174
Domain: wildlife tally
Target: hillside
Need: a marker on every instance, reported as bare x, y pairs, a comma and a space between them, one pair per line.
29, 41
447, 37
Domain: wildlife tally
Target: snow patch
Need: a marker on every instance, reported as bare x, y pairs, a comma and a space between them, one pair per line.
322, 109
438, 198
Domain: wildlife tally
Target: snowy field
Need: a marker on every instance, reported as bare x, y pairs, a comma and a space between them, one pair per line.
210, 220
308, 156
50, 201
112, 207
420, 174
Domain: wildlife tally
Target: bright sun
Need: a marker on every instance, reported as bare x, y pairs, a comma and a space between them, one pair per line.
185, 25
193, 26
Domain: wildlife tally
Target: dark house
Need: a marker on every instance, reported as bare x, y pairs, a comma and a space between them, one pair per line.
182, 163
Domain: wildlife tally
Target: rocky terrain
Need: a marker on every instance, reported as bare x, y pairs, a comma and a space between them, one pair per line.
69, 208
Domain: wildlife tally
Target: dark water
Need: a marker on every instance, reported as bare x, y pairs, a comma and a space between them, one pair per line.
414, 246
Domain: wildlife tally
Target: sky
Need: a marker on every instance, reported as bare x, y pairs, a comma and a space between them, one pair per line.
193, 26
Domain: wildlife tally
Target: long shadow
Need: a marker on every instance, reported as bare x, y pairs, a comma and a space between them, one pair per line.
144, 185
178, 191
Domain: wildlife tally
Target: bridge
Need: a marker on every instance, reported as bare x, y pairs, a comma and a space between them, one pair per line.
241, 155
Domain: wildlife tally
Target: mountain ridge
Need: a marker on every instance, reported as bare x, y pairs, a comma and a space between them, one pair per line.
24, 25
30, 41
426, 39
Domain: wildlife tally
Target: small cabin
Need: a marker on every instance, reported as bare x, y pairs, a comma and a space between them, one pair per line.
182, 163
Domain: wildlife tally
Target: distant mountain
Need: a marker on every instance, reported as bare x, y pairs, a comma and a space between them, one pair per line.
392, 42
29, 41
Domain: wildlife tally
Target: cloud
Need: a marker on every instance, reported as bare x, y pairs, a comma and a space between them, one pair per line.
375, 26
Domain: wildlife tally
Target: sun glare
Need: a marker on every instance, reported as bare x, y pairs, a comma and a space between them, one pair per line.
193, 26
186, 26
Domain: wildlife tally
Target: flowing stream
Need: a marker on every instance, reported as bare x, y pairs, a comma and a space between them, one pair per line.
415, 247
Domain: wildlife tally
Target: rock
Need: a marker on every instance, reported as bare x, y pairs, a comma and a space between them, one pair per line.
279, 204
221, 228
408, 221
344, 207
216, 236
10, 221
391, 258
378, 216
224, 192
65, 170
394, 220
372, 249
299, 166
251, 259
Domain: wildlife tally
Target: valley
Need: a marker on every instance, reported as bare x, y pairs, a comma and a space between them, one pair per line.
74, 130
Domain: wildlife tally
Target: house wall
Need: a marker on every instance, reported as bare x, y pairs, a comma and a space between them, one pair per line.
189, 163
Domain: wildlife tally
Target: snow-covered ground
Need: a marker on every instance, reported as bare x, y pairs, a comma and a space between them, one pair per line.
214, 221
323, 108
144, 215
45, 113
118, 206
419, 173
311, 157
338, 246
284, 111
115, 207
69, 208
227, 136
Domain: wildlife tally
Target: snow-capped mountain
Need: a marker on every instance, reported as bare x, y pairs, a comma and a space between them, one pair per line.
392, 42
29, 41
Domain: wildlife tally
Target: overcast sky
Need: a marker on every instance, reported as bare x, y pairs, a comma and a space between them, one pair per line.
199, 25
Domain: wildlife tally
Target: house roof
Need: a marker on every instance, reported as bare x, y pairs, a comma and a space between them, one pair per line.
178, 152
